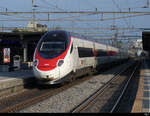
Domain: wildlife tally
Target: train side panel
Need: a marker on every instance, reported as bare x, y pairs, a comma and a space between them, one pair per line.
101, 57
83, 55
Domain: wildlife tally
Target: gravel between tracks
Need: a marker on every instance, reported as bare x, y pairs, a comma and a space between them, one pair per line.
68, 99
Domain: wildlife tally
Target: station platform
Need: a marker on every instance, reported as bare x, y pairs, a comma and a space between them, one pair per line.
142, 101
12, 81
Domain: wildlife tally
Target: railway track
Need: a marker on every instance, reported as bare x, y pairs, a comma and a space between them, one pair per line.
116, 106
28, 98
108, 97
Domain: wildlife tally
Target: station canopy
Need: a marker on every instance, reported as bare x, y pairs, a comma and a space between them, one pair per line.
25, 36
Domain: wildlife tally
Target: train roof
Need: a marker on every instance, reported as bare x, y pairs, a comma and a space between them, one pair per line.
80, 36
88, 38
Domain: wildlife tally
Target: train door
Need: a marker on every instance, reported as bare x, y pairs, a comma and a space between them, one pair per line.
108, 58
75, 55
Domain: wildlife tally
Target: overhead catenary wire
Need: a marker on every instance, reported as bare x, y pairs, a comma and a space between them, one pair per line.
84, 16
120, 11
61, 19
76, 17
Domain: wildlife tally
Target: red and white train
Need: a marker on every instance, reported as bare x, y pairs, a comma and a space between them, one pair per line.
62, 55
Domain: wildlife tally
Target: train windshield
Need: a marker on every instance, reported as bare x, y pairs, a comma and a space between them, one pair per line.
53, 44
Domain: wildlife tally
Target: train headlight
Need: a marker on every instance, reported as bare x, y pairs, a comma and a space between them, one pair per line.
35, 63
60, 62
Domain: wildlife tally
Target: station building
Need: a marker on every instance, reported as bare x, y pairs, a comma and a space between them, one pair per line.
21, 44
146, 41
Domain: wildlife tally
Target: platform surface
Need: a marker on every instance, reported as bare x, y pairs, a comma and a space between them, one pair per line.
146, 87
142, 101
14, 78
4, 76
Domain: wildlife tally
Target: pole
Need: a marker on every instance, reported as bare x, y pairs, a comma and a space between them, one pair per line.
147, 3
33, 14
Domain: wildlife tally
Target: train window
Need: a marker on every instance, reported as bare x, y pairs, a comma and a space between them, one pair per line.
71, 49
101, 53
50, 46
85, 52
53, 44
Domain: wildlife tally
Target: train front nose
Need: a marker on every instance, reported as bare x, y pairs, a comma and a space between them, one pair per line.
46, 75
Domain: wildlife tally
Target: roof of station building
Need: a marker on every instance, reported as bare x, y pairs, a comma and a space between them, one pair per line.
21, 35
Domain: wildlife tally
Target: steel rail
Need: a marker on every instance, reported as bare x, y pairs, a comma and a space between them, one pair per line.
91, 98
123, 91
33, 96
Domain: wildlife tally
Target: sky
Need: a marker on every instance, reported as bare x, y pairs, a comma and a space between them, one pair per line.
77, 5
